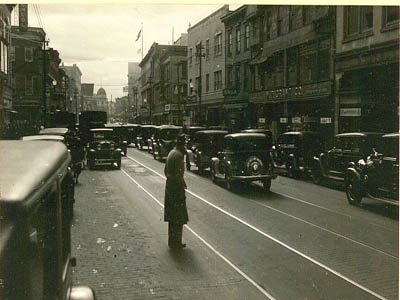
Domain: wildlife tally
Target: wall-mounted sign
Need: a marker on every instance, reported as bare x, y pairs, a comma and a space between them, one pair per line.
350, 112
296, 120
261, 120
326, 120
167, 107
283, 120
23, 16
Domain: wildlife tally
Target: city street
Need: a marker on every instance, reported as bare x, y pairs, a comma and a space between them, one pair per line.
298, 241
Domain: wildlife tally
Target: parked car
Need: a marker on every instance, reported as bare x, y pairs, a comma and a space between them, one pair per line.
144, 133
122, 133
104, 148
164, 140
189, 134
132, 132
206, 144
151, 139
36, 206
294, 151
348, 148
65, 132
245, 157
267, 132
376, 177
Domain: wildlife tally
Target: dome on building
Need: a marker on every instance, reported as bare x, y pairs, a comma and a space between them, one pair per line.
101, 92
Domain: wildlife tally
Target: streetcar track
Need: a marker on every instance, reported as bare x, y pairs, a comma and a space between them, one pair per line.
237, 269
305, 256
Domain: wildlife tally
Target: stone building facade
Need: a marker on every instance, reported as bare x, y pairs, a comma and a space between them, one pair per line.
74, 94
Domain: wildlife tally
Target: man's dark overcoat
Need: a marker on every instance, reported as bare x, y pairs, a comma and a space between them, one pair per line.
175, 200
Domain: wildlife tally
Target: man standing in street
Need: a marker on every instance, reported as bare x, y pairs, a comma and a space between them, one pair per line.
175, 211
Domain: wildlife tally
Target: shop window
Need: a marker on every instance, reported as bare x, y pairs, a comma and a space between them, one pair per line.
238, 42
247, 37
391, 16
357, 20
307, 14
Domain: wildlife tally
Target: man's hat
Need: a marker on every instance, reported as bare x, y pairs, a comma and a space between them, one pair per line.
180, 140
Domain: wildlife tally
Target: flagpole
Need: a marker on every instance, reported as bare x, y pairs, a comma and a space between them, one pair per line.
142, 40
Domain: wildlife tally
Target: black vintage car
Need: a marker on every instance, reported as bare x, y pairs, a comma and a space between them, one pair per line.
189, 132
294, 152
143, 135
122, 133
65, 132
164, 140
36, 206
246, 157
376, 177
206, 144
348, 148
132, 130
104, 148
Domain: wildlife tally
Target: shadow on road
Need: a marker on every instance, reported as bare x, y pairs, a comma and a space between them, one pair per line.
185, 259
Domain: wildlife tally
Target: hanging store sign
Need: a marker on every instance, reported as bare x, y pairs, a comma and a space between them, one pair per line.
261, 120
326, 120
350, 112
283, 120
296, 120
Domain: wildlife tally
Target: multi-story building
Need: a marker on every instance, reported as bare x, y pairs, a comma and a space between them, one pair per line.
133, 95
173, 67
367, 68
206, 69
73, 88
6, 88
291, 70
93, 101
153, 105
38, 80
238, 54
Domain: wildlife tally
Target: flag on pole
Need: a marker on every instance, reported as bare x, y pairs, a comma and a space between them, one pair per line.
138, 35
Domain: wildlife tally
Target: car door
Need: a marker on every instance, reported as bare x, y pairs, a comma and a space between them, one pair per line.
334, 156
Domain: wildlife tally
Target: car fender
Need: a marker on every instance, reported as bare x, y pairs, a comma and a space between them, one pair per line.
117, 153
215, 164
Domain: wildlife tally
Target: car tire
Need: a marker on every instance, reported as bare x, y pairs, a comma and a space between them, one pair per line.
119, 164
353, 191
267, 185
213, 176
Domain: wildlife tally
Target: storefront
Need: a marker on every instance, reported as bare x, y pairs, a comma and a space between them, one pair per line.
236, 116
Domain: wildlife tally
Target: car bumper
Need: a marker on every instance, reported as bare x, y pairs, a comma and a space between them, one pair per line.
253, 178
105, 161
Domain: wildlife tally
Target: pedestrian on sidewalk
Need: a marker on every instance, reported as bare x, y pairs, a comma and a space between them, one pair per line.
175, 211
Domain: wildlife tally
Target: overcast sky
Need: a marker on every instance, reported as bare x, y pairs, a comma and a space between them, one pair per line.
100, 39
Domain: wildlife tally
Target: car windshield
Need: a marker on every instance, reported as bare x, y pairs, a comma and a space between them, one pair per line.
247, 144
169, 134
103, 135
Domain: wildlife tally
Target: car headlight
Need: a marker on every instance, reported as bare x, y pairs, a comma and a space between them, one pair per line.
361, 162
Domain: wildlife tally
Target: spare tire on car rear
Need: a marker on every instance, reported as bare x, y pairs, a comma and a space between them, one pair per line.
254, 165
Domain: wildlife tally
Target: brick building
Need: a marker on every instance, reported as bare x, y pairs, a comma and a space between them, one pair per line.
74, 93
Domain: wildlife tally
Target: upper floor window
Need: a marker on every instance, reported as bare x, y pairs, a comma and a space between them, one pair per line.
357, 19
190, 55
218, 44
217, 80
238, 42
28, 54
269, 26
207, 47
230, 45
307, 14
391, 15
247, 37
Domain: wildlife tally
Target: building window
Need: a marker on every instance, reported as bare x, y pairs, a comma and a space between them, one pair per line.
357, 19
247, 37
391, 15
207, 82
218, 44
294, 17
238, 40
292, 62
28, 54
308, 62
324, 59
207, 47
237, 78
217, 80
190, 55
230, 45
269, 26
307, 14
4, 58
246, 77
283, 14
28, 85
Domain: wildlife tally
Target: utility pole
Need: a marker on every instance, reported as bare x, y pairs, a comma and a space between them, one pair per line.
44, 78
199, 54
179, 96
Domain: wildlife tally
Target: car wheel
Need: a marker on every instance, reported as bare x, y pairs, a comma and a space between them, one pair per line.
316, 176
267, 185
292, 172
188, 166
119, 164
213, 177
353, 191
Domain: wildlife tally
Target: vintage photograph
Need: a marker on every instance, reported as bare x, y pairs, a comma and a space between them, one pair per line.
192, 151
